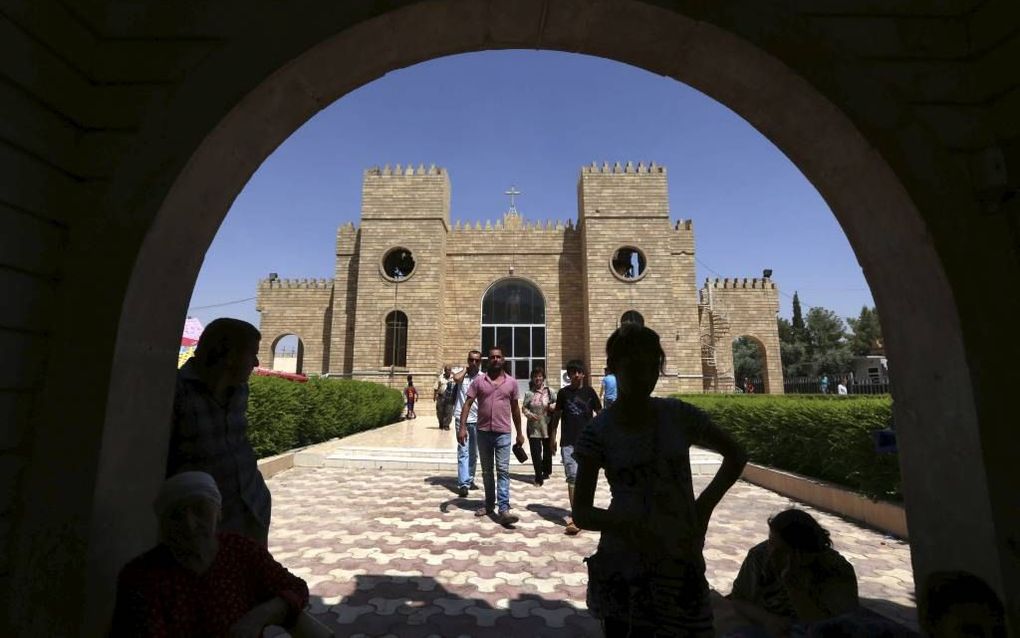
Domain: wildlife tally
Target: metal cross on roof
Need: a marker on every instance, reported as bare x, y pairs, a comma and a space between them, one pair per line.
513, 192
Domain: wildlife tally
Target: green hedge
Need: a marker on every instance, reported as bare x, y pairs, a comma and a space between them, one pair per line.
283, 415
825, 437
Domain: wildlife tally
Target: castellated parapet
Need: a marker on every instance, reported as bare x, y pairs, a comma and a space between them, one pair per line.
382, 318
405, 192
745, 282
306, 284
623, 191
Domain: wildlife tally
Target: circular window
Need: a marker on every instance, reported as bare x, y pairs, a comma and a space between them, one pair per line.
628, 263
397, 264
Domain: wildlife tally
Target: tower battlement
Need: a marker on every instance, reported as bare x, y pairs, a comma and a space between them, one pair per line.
407, 170
623, 191
741, 283
297, 284
629, 168
406, 193
548, 225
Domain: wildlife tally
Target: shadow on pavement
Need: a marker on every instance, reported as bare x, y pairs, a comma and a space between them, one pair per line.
550, 513
420, 606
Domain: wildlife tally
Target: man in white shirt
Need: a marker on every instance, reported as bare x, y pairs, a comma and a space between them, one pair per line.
467, 452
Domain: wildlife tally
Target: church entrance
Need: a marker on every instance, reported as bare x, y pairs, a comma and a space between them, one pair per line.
513, 318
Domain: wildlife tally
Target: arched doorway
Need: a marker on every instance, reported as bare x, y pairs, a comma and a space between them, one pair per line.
750, 366
905, 201
513, 318
288, 354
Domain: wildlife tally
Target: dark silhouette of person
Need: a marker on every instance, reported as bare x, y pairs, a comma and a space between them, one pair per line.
795, 577
209, 425
648, 576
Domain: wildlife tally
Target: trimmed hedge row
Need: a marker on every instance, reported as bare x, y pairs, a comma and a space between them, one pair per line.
828, 438
283, 415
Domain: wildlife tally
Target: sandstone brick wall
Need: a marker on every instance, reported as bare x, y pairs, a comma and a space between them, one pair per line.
548, 259
628, 206
407, 208
345, 297
300, 307
749, 307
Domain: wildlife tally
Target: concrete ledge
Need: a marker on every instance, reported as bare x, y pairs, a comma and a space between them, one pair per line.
881, 515
272, 465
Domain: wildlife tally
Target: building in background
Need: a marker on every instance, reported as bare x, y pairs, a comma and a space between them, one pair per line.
411, 291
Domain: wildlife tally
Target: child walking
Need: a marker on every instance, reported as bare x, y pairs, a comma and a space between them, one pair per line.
411, 395
648, 576
576, 405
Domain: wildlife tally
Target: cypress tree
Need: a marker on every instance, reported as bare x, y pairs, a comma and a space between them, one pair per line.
798, 319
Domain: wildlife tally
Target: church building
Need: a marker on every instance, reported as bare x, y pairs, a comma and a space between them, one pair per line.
412, 292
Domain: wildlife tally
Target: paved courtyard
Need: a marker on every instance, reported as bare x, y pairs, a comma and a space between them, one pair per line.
397, 553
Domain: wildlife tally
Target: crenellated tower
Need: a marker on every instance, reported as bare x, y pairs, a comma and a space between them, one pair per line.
401, 245
638, 266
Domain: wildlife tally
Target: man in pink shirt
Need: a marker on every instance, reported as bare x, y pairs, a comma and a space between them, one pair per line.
496, 394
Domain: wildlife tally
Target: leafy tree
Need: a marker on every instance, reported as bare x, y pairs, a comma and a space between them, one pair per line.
792, 351
827, 345
746, 359
867, 331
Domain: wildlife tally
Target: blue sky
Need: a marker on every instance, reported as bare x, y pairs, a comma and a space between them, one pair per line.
532, 119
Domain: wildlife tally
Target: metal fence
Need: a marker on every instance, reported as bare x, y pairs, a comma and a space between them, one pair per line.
815, 385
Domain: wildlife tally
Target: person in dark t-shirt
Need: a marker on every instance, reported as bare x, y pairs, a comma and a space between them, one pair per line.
576, 405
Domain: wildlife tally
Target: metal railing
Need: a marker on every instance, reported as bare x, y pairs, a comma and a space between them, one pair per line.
814, 385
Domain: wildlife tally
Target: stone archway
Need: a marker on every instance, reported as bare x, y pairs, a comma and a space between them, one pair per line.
904, 201
285, 357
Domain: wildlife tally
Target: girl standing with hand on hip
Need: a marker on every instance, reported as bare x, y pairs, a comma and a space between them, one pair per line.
648, 576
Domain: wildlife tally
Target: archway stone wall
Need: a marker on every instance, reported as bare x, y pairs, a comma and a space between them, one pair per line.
127, 134
747, 307
302, 307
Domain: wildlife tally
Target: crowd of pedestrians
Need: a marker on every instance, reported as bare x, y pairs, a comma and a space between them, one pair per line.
211, 573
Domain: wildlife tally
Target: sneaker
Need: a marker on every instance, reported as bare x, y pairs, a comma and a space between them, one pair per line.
462, 491
539, 482
506, 518
572, 529
483, 511
473, 486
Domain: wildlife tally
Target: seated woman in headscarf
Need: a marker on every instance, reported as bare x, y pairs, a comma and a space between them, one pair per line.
795, 578
196, 582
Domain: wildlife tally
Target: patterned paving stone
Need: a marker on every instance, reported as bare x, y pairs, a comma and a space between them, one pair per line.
394, 552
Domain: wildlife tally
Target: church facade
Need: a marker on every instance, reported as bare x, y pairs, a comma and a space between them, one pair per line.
411, 292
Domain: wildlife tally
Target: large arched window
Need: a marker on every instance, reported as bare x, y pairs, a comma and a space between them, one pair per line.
513, 318
395, 353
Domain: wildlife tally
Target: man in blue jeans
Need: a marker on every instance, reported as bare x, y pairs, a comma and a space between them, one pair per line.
467, 451
496, 395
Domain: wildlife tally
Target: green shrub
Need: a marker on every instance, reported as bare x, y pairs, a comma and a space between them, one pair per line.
829, 438
283, 415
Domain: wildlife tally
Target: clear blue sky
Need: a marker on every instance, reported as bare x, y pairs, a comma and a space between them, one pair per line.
532, 119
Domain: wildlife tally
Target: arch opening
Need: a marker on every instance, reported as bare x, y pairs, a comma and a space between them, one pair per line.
207, 184
288, 354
